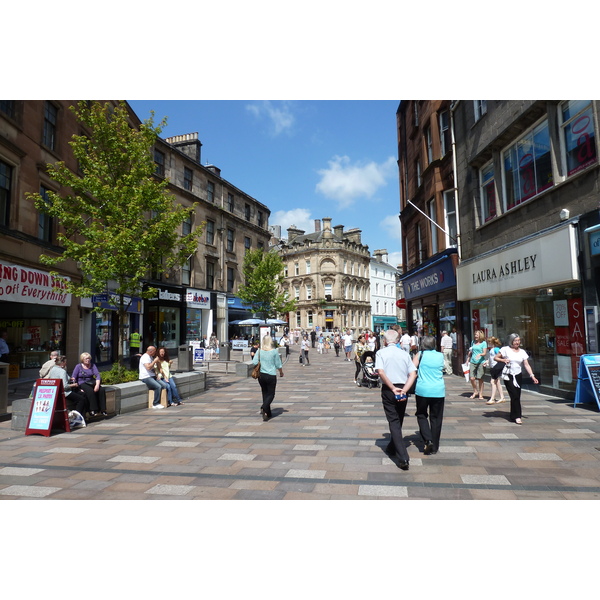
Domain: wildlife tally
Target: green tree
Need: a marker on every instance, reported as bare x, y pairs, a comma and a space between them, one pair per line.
263, 274
120, 223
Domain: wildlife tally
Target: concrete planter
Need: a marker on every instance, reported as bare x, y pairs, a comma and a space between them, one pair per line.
122, 398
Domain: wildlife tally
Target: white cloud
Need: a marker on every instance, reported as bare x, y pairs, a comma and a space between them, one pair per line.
395, 258
279, 115
391, 225
299, 217
346, 182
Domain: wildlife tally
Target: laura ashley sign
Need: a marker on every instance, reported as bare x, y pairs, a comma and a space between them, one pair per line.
544, 261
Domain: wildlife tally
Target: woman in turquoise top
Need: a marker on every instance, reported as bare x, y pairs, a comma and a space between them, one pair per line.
476, 360
430, 393
270, 360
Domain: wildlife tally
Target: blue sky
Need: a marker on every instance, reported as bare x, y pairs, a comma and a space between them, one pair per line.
305, 160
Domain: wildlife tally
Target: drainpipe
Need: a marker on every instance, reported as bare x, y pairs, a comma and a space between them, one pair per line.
453, 106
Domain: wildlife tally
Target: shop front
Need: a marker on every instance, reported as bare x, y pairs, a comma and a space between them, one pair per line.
105, 326
531, 287
34, 312
164, 318
198, 315
382, 322
430, 292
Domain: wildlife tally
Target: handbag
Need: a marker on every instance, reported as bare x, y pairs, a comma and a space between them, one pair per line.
256, 370
413, 387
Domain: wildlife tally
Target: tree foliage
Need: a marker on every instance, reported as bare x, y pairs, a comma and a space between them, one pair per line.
120, 223
263, 274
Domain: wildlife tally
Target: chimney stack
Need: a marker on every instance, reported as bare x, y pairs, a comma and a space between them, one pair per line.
317, 225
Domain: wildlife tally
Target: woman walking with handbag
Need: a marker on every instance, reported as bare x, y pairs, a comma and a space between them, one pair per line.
516, 359
430, 394
270, 361
495, 370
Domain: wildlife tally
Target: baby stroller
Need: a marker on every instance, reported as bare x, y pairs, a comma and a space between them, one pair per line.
370, 378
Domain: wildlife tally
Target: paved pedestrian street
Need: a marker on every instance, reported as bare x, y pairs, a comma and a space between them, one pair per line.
325, 441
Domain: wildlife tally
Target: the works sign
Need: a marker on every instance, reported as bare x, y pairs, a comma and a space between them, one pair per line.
438, 276
546, 260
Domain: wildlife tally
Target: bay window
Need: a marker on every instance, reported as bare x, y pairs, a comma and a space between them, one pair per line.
578, 135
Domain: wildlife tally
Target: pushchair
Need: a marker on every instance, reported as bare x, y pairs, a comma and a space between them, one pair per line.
369, 375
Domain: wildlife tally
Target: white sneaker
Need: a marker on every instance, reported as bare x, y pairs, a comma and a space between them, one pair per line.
157, 406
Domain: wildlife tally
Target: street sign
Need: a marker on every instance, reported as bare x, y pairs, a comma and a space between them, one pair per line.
48, 409
588, 382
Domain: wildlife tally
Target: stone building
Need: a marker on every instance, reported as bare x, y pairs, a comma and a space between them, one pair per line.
191, 301
428, 216
528, 182
328, 272
384, 293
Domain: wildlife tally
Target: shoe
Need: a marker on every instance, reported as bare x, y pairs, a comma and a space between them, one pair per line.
518, 421
93, 414
490, 401
104, 414
157, 406
428, 448
403, 465
178, 403
501, 400
265, 416
358, 383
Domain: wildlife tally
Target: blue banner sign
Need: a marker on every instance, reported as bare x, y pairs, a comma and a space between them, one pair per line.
588, 380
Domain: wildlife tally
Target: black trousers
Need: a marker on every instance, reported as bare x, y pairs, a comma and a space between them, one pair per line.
515, 396
430, 426
358, 368
97, 400
78, 401
394, 413
267, 385
304, 357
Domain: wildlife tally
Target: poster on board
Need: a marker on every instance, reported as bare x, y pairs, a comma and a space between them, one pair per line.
588, 382
48, 408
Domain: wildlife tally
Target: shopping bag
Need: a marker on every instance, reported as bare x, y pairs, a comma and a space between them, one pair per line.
466, 371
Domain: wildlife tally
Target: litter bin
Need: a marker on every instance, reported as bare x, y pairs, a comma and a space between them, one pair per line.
185, 359
224, 351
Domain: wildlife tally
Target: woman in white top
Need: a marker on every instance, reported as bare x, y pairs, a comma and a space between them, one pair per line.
516, 358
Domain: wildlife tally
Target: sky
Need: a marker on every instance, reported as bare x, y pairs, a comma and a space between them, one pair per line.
304, 160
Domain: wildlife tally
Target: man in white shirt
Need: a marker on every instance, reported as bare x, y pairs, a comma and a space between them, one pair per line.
405, 341
397, 373
347, 342
148, 376
49, 364
446, 348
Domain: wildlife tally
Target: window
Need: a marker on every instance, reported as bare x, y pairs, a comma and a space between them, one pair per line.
432, 225
45, 221
186, 272
310, 318
345, 266
210, 232
297, 292
285, 271
188, 179
8, 107
308, 266
186, 226
328, 291
247, 212
230, 202
480, 107
230, 239
260, 245
296, 269
309, 292
260, 218
377, 288
298, 320
488, 193
50, 120
418, 170
159, 161
210, 192
230, 279
578, 135
445, 133
528, 166
450, 218
210, 275
247, 243
5, 189
429, 145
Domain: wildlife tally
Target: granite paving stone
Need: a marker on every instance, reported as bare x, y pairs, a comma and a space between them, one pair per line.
325, 441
